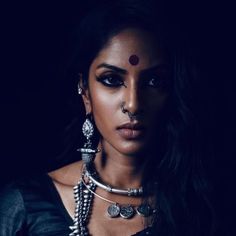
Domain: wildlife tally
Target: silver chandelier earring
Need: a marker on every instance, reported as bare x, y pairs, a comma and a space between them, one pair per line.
88, 153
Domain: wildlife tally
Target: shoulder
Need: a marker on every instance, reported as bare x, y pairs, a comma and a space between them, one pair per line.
10, 195
13, 196
12, 210
67, 175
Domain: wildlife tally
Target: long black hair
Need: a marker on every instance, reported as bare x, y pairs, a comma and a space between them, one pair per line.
182, 191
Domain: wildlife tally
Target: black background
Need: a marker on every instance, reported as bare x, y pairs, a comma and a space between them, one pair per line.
35, 106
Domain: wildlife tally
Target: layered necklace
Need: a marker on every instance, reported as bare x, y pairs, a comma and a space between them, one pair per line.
84, 193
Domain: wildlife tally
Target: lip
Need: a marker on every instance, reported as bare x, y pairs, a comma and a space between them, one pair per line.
132, 125
131, 130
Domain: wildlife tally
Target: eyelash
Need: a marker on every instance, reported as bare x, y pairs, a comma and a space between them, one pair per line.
157, 82
118, 81
104, 79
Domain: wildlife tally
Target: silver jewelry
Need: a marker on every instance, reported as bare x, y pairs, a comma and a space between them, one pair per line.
80, 90
88, 130
83, 199
88, 153
130, 114
125, 211
84, 195
129, 192
113, 210
144, 210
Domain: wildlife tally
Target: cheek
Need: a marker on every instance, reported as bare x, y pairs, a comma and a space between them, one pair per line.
156, 102
105, 107
156, 112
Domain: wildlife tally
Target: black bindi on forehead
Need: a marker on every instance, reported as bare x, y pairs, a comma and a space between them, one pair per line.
134, 60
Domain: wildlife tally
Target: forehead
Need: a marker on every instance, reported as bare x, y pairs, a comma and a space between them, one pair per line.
131, 42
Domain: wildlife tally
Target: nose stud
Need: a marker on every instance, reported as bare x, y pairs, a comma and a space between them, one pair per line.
130, 114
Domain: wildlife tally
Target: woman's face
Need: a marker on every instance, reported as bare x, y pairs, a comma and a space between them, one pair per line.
128, 76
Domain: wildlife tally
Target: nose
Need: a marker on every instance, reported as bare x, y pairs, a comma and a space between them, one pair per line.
132, 99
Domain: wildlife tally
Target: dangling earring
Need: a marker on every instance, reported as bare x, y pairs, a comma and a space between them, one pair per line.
80, 90
88, 153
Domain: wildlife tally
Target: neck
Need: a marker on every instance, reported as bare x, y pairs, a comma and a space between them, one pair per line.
119, 170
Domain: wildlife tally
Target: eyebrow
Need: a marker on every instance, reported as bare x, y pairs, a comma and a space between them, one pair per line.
112, 67
123, 71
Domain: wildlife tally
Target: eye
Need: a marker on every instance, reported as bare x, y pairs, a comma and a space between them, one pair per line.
156, 81
151, 81
111, 80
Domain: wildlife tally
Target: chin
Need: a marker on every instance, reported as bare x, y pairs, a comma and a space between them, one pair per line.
131, 149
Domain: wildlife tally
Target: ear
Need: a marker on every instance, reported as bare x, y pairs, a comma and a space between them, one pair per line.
85, 95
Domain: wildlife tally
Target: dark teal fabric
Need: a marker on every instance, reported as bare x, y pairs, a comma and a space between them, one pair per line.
33, 207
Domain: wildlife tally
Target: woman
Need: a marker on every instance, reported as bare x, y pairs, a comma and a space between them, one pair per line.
141, 171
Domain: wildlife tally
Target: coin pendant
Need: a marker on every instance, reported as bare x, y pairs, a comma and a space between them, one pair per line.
126, 211
113, 210
144, 210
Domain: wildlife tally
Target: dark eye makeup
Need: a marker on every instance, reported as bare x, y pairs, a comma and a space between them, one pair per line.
111, 80
147, 81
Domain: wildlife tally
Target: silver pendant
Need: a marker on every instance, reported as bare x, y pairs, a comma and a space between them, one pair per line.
113, 210
144, 210
127, 211
88, 129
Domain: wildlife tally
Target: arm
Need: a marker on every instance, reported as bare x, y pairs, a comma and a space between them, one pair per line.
12, 211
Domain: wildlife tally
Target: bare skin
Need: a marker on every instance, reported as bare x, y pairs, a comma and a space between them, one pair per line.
114, 81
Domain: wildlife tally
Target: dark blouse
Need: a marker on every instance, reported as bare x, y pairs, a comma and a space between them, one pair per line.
33, 207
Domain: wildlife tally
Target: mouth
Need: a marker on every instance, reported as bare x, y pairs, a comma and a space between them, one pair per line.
131, 130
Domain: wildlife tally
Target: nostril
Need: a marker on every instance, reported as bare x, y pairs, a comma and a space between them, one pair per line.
123, 109
132, 115
132, 98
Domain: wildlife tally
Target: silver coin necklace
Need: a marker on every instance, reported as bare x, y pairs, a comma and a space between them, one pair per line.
126, 211
84, 194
